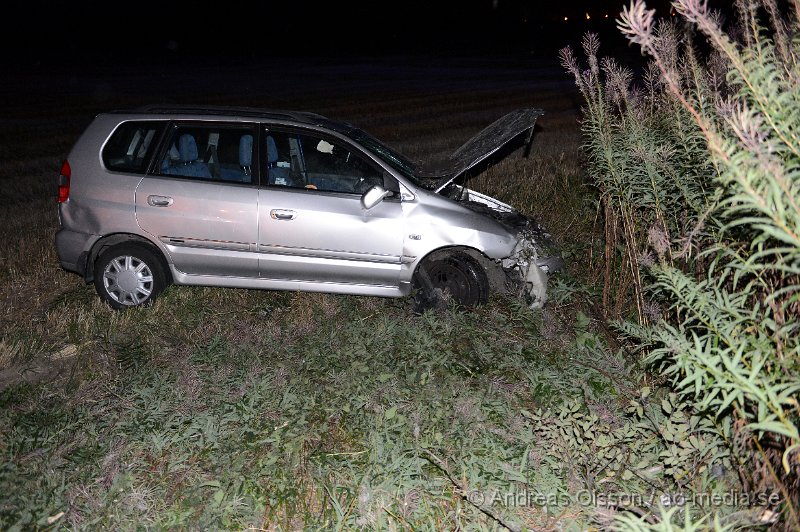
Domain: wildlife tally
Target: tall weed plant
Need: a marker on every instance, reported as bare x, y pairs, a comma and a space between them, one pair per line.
698, 164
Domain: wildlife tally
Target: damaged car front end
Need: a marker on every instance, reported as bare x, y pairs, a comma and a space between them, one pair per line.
534, 257
522, 264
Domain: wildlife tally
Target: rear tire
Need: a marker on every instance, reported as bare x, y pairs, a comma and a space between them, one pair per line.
128, 275
456, 276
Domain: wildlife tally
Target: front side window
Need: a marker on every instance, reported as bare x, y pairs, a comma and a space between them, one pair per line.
385, 153
130, 146
214, 153
316, 163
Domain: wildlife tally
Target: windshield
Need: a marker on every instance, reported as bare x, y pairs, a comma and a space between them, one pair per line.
398, 162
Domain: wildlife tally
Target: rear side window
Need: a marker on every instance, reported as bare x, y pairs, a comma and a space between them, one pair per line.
214, 152
131, 145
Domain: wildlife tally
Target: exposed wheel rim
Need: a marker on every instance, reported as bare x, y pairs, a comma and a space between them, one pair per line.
449, 277
128, 280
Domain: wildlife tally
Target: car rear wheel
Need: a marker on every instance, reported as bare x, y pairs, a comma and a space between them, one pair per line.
128, 275
456, 276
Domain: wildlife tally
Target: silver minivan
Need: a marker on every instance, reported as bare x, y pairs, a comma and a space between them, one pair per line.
253, 198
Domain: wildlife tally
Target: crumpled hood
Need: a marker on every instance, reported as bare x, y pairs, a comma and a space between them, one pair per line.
491, 139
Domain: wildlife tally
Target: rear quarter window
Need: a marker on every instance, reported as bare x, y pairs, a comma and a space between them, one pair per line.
131, 146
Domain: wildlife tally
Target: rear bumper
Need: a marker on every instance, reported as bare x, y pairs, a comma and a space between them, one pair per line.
73, 249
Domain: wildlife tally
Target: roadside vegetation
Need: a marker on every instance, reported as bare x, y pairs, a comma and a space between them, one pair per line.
697, 165
657, 390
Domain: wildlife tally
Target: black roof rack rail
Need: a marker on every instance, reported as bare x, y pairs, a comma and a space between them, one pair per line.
303, 117
220, 110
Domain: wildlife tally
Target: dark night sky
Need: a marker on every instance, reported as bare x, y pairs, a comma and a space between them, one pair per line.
61, 30
70, 32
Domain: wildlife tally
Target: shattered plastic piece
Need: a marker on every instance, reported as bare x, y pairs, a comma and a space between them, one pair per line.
536, 281
525, 260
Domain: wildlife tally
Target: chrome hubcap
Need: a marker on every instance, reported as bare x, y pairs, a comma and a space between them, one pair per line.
128, 280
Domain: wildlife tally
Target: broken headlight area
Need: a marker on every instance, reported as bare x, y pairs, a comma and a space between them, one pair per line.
532, 261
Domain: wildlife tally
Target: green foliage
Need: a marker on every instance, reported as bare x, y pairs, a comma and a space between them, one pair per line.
367, 418
700, 167
648, 160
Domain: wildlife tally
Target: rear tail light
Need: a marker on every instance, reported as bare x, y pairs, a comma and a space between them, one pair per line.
63, 182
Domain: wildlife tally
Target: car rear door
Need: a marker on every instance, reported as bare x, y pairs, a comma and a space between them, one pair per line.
201, 200
312, 225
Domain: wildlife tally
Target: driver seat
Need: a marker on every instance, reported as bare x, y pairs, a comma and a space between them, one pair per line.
276, 175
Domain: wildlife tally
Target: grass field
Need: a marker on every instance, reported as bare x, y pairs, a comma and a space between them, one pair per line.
221, 408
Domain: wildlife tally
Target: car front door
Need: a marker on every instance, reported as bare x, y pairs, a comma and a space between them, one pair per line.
201, 199
312, 225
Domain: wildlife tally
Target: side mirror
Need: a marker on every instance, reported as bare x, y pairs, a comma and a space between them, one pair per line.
373, 196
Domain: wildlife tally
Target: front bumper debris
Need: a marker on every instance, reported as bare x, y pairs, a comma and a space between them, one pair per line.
530, 268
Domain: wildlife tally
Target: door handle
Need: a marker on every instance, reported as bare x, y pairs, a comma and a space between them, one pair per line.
159, 201
282, 214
